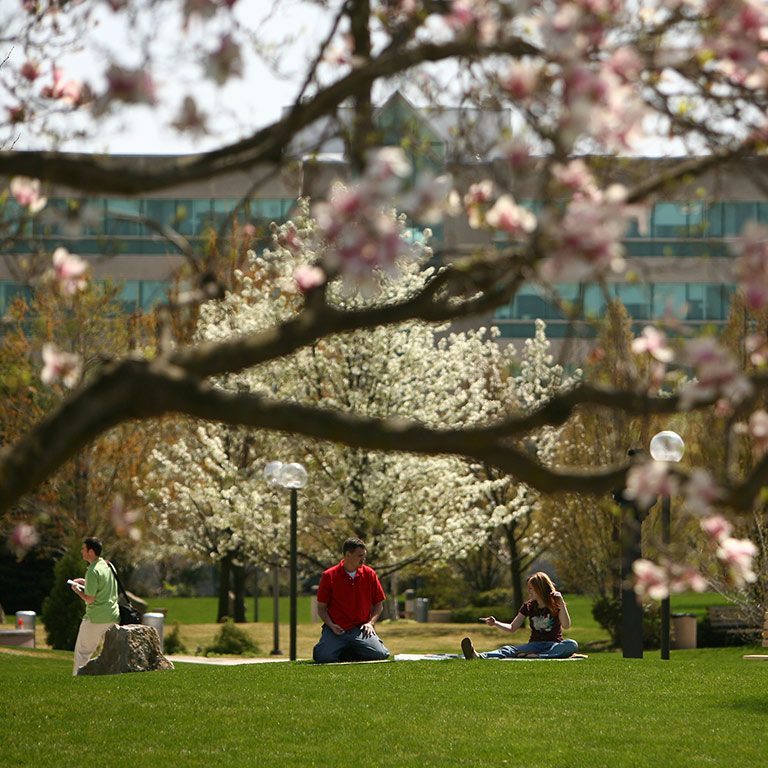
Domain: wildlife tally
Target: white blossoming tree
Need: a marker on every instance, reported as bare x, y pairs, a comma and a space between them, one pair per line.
209, 496
513, 515
207, 500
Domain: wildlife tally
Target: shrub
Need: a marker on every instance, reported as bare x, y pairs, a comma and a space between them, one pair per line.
231, 639
494, 597
472, 613
62, 609
606, 611
172, 643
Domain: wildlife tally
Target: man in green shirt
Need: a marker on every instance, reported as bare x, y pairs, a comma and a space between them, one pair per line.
99, 592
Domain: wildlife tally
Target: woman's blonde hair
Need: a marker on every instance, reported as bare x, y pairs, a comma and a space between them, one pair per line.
544, 588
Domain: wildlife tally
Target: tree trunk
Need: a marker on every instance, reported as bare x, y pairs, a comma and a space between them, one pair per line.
238, 587
225, 565
515, 567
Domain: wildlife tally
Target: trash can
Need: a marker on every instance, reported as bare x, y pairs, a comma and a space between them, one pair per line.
683, 631
26, 620
421, 609
156, 620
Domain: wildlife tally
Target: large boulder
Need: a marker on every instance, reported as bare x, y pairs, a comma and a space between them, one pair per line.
135, 648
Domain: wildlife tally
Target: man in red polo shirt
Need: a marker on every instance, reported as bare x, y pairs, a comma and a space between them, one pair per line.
349, 603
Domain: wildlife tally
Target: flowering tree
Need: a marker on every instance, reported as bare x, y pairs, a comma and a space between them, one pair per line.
206, 498
514, 512
408, 508
582, 76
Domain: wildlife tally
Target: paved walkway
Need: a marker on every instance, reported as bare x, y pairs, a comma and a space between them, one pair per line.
225, 662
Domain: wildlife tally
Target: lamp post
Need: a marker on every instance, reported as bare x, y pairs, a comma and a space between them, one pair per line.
292, 476
666, 446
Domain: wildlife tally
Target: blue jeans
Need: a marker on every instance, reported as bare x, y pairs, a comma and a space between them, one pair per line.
544, 650
351, 646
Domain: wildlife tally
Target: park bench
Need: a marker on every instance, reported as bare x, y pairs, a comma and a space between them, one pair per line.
731, 620
23, 638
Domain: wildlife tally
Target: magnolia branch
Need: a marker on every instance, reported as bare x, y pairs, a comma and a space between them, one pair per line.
132, 176
137, 389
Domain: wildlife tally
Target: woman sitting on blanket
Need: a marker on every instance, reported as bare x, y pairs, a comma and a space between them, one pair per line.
548, 615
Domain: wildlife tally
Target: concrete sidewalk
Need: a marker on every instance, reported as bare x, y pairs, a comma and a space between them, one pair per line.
225, 662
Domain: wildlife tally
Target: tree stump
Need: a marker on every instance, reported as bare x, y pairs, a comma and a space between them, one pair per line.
135, 648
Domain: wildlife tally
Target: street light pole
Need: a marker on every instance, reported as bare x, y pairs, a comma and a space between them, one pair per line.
292, 476
294, 568
665, 603
276, 608
666, 446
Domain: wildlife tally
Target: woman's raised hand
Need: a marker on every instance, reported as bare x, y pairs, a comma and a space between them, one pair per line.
489, 620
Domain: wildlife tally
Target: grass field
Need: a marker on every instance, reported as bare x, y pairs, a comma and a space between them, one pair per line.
196, 616
701, 708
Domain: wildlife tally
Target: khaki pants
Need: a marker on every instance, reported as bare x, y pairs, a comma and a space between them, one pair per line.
88, 638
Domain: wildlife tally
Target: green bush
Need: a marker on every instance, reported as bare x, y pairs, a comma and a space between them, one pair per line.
606, 611
231, 639
494, 597
62, 609
172, 642
472, 613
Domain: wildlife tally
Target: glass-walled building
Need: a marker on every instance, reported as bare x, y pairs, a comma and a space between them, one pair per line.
679, 265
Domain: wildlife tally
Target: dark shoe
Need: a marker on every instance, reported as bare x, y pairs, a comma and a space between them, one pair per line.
468, 649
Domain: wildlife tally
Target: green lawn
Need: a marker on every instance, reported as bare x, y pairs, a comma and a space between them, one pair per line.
702, 708
202, 610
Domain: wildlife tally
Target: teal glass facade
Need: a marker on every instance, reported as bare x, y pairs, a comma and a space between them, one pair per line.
675, 229
109, 226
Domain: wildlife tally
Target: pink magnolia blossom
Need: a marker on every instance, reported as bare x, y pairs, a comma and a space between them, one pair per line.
701, 492
575, 176
225, 62
476, 201
26, 192
308, 277
429, 199
758, 430
518, 153
684, 578
751, 265
288, 237
479, 193
647, 481
190, 119
388, 164
70, 91
131, 86
657, 582
650, 580
30, 70
589, 237
717, 373
716, 527
626, 63
472, 16
23, 538
654, 342
521, 80
511, 218
69, 270
737, 555
16, 114
58, 365
124, 520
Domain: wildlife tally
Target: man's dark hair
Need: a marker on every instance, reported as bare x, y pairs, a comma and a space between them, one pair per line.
92, 543
352, 544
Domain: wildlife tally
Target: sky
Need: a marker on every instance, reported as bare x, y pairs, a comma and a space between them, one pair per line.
236, 110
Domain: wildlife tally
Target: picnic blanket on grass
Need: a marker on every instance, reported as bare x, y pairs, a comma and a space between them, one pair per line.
444, 656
